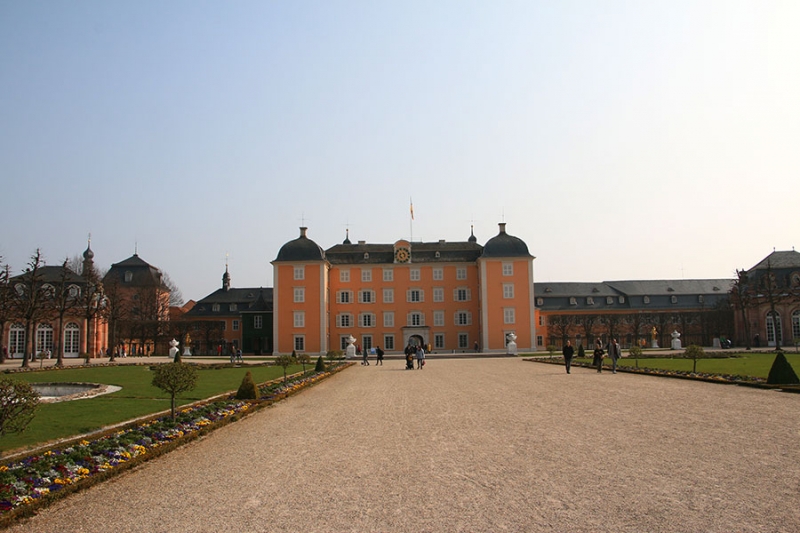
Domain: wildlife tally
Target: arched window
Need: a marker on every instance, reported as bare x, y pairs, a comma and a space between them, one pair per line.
72, 340
796, 324
771, 327
44, 338
16, 340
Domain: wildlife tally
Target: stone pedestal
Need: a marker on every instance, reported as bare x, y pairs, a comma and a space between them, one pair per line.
350, 351
511, 346
654, 344
173, 349
676, 340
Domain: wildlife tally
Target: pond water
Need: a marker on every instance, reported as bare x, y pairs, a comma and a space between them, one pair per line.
61, 392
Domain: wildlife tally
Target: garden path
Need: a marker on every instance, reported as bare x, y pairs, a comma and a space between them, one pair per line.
472, 445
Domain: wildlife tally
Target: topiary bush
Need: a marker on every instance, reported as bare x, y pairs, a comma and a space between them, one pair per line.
782, 372
248, 389
320, 365
581, 351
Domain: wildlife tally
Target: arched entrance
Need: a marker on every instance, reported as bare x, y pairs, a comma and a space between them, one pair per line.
416, 340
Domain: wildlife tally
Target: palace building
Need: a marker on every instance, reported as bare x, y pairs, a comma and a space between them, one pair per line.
449, 296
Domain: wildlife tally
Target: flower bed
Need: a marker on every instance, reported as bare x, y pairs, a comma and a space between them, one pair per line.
32, 482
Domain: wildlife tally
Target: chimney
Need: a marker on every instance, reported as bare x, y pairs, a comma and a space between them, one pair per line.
502, 227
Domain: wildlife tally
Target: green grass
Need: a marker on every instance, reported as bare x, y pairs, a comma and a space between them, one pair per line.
754, 364
137, 398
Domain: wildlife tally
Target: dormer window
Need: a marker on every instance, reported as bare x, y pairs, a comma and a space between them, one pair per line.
646, 299
539, 301
609, 300
701, 298
670, 289
548, 289
366, 256
595, 290
622, 299
215, 308
674, 299
589, 301
437, 255
232, 307
128, 276
573, 300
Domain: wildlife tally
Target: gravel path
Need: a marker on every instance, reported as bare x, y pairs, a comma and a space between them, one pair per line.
472, 445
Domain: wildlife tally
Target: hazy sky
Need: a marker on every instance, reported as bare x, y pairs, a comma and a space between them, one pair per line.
619, 140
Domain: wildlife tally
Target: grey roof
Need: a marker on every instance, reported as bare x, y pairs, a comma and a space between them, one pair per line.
505, 245
778, 260
52, 274
143, 273
246, 299
301, 249
672, 286
421, 252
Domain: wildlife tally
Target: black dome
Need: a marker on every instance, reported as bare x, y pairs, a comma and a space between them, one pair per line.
301, 249
505, 245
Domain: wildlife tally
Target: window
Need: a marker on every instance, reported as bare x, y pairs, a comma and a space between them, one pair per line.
299, 319
414, 295
235, 325
589, 300
508, 290
299, 295
366, 274
646, 299
366, 296
509, 317
463, 318
344, 320
74, 291
463, 340
388, 274
299, 272
438, 341
414, 273
366, 342
388, 342
673, 299
622, 299
438, 294
299, 343
438, 274
388, 296
701, 299
772, 325
416, 318
344, 297
344, 276
461, 294
343, 342
225, 325
366, 320
796, 324
573, 300
232, 307
258, 322
508, 269
388, 319
461, 273
539, 340
540, 301
438, 318
215, 308
609, 300
128, 276
44, 338
16, 340
72, 339
541, 320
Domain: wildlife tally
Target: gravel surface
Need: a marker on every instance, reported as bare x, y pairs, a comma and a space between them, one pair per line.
472, 445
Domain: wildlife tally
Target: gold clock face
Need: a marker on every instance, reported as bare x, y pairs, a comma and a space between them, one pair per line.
401, 255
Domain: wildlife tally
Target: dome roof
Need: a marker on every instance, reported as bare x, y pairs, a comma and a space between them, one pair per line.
301, 249
505, 245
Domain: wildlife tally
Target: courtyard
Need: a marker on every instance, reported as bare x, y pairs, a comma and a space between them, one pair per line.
472, 445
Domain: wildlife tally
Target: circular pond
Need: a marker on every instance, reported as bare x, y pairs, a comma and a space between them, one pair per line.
62, 392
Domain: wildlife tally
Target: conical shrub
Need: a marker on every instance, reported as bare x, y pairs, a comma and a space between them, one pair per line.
782, 372
320, 365
248, 389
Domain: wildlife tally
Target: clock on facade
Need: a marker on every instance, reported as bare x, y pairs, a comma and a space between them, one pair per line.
402, 255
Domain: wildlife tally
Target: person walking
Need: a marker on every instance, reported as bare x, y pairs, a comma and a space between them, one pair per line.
615, 352
568, 352
420, 357
365, 357
379, 353
599, 354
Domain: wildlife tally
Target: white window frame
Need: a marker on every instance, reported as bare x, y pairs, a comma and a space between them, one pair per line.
366, 320
344, 297
299, 295
388, 341
415, 296
72, 339
508, 269
388, 274
388, 296
438, 294
438, 319
235, 325
438, 341
509, 315
344, 320
416, 319
414, 274
463, 340
299, 343
438, 274
299, 319
344, 276
462, 294
467, 318
388, 319
461, 273
366, 275
366, 296
299, 272
258, 322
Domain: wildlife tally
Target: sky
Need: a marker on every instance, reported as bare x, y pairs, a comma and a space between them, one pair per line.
620, 140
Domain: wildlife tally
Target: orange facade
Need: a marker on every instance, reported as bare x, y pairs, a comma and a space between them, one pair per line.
450, 297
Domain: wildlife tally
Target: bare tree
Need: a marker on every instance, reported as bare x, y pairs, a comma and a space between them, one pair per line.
175, 296
92, 302
30, 300
115, 312
587, 323
560, 327
65, 299
742, 296
612, 322
636, 320
6, 300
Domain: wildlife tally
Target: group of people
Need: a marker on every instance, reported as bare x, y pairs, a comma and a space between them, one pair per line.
612, 349
378, 356
414, 352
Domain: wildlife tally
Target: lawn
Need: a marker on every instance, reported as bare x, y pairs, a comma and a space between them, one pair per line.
756, 364
137, 398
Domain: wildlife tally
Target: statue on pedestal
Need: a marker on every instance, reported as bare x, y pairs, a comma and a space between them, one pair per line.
654, 336
187, 342
511, 345
173, 351
350, 351
676, 340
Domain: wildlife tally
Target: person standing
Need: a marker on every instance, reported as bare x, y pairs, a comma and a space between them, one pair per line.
615, 352
568, 352
599, 354
420, 357
379, 353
